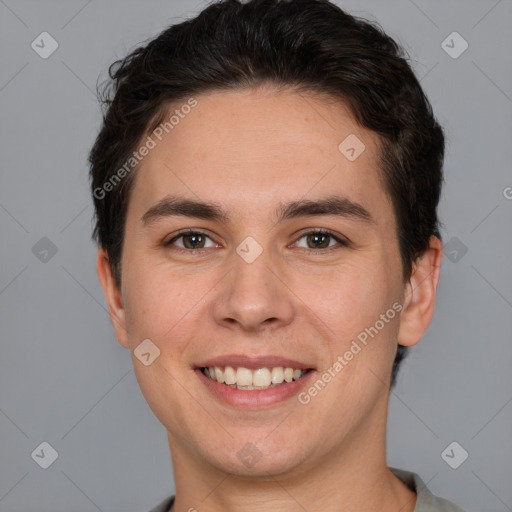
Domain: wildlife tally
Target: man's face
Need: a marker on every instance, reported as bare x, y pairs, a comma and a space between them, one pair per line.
305, 297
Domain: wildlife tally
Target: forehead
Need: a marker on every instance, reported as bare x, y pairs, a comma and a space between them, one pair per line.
248, 149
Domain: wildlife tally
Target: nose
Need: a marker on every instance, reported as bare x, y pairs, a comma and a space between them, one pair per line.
254, 296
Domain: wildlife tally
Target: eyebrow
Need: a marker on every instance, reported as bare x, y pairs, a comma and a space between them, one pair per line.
341, 206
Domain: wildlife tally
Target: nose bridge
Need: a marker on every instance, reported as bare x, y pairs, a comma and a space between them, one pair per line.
253, 294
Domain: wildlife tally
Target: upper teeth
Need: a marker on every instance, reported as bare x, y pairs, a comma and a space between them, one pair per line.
262, 377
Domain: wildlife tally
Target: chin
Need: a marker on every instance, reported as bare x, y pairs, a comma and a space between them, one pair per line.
254, 460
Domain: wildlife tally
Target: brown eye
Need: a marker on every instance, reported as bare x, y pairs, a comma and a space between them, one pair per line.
193, 241
320, 239
190, 240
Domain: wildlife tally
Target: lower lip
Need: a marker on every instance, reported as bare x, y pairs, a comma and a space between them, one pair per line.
254, 398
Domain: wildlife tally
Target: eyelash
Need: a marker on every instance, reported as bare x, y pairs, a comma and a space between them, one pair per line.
321, 231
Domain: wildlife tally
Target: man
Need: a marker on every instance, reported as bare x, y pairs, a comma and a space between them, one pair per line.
266, 182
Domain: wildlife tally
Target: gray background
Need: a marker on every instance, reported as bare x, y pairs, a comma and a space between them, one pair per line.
65, 380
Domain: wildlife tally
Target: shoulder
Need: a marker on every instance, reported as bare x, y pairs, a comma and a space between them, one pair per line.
164, 506
426, 501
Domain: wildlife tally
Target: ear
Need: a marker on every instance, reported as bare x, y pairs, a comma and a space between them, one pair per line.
112, 296
420, 294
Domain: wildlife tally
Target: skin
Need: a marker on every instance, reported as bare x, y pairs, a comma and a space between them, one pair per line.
326, 455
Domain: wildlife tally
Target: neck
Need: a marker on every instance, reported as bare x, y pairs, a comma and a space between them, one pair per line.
353, 478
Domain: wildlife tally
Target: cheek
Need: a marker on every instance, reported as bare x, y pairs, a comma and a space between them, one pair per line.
150, 301
163, 304
347, 298
349, 302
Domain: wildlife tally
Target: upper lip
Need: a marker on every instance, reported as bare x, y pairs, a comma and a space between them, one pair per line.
253, 363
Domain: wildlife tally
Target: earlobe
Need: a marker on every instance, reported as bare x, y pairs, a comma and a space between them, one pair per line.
420, 294
112, 297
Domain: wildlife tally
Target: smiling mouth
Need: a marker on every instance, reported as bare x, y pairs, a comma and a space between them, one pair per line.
259, 379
